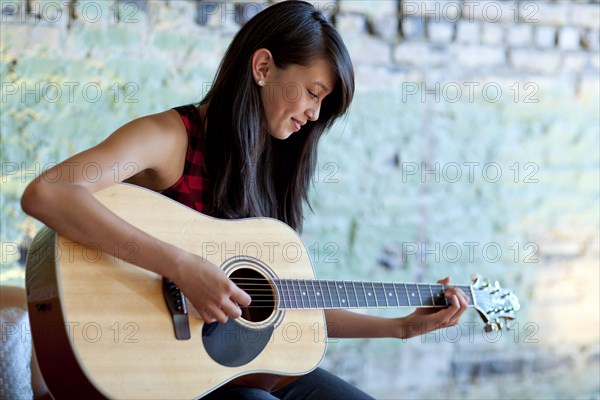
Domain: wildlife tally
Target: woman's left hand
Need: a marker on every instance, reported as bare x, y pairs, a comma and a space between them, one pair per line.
425, 320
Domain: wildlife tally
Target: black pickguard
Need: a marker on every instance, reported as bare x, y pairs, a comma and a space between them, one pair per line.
232, 344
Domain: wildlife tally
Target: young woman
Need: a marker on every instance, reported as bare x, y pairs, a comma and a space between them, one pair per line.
248, 149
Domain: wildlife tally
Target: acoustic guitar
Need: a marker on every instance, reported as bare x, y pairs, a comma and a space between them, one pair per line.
104, 328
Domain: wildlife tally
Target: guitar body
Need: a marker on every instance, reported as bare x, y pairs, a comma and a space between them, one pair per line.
102, 327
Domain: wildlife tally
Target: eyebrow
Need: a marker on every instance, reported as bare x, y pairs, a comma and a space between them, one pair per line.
322, 86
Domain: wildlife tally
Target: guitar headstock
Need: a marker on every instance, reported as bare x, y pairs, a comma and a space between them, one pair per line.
493, 303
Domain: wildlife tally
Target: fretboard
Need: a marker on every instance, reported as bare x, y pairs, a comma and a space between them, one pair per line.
300, 294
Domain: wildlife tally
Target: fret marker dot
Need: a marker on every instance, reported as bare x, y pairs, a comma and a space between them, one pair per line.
303, 293
412, 294
369, 293
389, 294
318, 294
343, 300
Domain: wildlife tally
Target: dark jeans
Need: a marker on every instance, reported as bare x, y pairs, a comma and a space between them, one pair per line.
316, 385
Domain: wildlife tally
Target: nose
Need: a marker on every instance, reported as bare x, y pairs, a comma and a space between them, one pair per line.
312, 112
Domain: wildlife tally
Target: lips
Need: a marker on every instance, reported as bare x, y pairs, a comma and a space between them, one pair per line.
297, 124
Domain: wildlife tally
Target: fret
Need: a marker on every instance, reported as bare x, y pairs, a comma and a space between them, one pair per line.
402, 295
355, 295
323, 296
422, 294
468, 292
293, 302
347, 300
305, 293
318, 297
337, 289
350, 299
413, 292
375, 295
336, 299
299, 292
286, 293
288, 298
407, 295
388, 291
432, 297
364, 292
291, 293
330, 297
368, 296
280, 294
380, 295
440, 299
385, 297
396, 293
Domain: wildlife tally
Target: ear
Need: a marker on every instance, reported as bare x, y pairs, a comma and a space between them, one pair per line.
262, 64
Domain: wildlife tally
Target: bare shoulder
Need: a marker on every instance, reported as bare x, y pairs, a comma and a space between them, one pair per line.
148, 151
150, 130
157, 143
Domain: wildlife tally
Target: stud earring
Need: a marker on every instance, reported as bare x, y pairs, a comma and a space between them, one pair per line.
261, 83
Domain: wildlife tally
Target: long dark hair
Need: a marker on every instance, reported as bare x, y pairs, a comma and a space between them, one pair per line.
252, 173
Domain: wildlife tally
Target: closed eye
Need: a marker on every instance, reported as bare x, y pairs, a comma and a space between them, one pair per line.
312, 95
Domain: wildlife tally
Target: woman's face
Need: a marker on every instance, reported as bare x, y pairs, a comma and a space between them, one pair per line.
293, 95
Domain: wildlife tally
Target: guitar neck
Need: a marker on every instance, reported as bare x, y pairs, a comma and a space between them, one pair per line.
326, 294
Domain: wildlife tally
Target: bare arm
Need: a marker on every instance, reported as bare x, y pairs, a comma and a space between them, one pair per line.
347, 324
148, 150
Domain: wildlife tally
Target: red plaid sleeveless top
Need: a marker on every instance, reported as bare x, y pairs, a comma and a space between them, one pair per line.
192, 188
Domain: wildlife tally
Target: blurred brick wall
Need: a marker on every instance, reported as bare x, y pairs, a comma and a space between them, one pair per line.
472, 146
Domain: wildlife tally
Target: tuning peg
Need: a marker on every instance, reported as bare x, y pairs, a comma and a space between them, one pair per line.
486, 283
494, 325
491, 326
496, 288
476, 279
494, 310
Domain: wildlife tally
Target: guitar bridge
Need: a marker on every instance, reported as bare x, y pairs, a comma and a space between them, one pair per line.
177, 307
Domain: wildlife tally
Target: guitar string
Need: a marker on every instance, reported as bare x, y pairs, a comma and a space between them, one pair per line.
339, 281
266, 287
299, 306
302, 280
269, 288
298, 297
378, 294
308, 281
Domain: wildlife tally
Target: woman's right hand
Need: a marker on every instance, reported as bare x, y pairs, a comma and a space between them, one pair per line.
210, 291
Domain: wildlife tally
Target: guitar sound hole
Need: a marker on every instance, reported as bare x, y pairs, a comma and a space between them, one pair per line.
260, 290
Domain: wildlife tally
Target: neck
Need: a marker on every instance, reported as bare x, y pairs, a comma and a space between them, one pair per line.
325, 294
